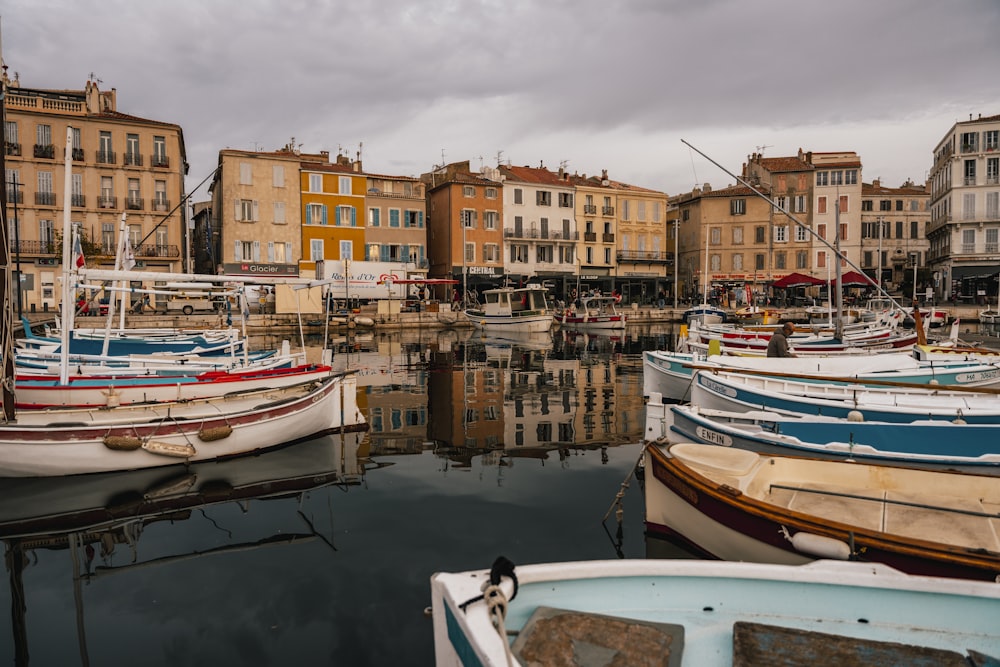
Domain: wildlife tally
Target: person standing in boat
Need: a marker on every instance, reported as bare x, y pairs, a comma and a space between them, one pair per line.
778, 345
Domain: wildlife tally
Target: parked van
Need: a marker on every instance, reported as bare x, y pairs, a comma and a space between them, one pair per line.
191, 303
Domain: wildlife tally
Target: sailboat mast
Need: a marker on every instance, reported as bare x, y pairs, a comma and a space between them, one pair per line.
67, 256
839, 326
6, 318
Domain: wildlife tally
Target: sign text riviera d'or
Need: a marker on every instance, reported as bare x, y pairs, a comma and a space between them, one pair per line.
258, 269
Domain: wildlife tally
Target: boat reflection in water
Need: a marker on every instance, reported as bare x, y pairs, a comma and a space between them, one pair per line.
101, 519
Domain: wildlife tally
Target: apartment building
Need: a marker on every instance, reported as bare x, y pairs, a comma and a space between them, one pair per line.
252, 226
893, 232
641, 258
121, 164
396, 229
464, 232
836, 216
596, 207
964, 228
727, 242
333, 210
539, 226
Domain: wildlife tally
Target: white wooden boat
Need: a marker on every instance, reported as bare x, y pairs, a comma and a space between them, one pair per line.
990, 315
740, 505
521, 309
705, 313
76, 441
593, 313
687, 613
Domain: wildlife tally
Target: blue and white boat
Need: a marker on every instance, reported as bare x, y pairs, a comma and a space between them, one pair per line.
887, 402
705, 313
513, 310
691, 613
922, 443
126, 345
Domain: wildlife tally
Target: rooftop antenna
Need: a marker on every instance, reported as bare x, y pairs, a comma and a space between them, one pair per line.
760, 149
480, 163
499, 158
563, 164
361, 146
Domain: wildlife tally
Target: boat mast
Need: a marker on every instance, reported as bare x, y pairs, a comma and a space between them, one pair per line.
6, 318
704, 298
839, 325
67, 257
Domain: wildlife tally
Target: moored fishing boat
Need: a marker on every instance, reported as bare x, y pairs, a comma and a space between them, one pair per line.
593, 313
740, 505
708, 614
520, 309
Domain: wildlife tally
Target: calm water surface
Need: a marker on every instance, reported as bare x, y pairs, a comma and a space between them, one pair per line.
321, 553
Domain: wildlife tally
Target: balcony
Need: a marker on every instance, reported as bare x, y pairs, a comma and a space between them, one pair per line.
590, 209
78, 201
160, 161
566, 236
590, 237
33, 247
14, 196
107, 201
970, 148
77, 155
608, 238
46, 151
133, 203
992, 180
133, 160
161, 205
45, 198
650, 256
105, 157
157, 250
607, 210
13, 149
969, 180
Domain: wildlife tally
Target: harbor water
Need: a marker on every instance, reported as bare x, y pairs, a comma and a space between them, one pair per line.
321, 553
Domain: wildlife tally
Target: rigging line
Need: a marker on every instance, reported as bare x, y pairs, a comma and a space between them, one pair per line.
693, 170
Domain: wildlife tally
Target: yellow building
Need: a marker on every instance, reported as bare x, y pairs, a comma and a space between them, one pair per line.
333, 211
121, 164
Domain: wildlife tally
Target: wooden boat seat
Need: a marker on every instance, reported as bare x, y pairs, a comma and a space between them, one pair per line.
759, 645
726, 460
555, 637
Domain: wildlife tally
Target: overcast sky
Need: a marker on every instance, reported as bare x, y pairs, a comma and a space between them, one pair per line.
590, 84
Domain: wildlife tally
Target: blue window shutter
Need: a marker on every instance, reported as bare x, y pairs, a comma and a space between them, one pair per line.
354, 217
406, 253
324, 214
420, 218
309, 215
385, 253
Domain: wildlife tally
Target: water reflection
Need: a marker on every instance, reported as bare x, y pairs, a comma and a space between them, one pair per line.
465, 394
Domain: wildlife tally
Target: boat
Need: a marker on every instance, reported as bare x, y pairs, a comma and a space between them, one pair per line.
125, 345
757, 315
670, 374
521, 309
929, 443
593, 313
88, 391
990, 315
79, 440
696, 613
705, 313
868, 400
740, 505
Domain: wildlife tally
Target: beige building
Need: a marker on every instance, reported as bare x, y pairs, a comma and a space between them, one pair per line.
902, 215
596, 208
255, 214
122, 164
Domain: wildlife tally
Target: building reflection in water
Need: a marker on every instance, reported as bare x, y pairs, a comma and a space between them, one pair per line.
467, 395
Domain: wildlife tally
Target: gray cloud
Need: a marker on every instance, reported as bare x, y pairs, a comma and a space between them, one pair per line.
598, 85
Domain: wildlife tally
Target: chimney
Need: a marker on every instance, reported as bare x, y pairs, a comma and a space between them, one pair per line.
877, 183
706, 187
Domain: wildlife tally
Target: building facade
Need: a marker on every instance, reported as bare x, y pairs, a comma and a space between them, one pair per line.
121, 165
333, 211
964, 228
396, 228
893, 232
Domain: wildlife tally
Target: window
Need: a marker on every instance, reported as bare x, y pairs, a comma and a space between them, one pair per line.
316, 214
737, 262
543, 198
135, 235
160, 202
518, 196
413, 218
758, 262
346, 250
626, 215
279, 251
607, 255
77, 190
822, 178
913, 229
345, 185
969, 206
246, 251
246, 173
394, 217
590, 255
491, 193
779, 261
801, 259
657, 213
10, 134
160, 237
842, 203
801, 233
781, 202
468, 191
800, 204
851, 177
134, 196
821, 204
867, 205
970, 172
566, 199
279, 213
491, 252
899, 229
518, 253
968, 241
821, 230
836, 177
843, 231
470, 252
543, 254
346, 216
970, 142
716, 235
759, 235
47, 233
738, 207
315, 182
715, 262
278, 176
247, 210
566, 255
737, 235
991, 239
108, 238
105, 154
107, 199
315, 250
885, 205
992, 206
992, 170
990, 140
160, 152
821, 259
781, 233
490, 220
468, 218
373, 217
132, 155
899, 204
43, 135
